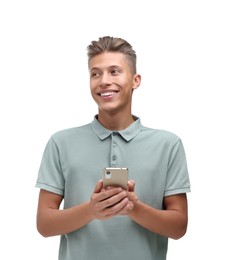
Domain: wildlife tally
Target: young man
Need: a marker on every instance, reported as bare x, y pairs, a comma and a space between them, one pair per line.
113, 223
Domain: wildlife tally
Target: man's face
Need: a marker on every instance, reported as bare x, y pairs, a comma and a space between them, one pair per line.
112, 82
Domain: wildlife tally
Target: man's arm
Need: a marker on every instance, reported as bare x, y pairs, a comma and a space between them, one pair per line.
52, 221
104, 204
170, 222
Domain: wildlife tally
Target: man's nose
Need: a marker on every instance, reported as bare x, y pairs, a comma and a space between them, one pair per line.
106, 80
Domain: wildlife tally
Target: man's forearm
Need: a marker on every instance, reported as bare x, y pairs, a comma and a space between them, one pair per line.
54, 222
170, 223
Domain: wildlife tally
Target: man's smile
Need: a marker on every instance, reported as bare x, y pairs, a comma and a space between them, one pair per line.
108, 93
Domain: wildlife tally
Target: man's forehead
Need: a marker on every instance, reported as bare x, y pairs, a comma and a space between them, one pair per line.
108, 60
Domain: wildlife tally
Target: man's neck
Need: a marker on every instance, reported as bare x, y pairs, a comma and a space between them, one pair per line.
115, 121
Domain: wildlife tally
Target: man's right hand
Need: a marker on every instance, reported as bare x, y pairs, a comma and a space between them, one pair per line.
109, 202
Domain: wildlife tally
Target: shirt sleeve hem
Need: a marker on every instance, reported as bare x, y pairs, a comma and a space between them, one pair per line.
177, 191
49, 188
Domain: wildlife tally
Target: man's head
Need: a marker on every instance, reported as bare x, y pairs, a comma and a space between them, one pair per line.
113, 77
111, 44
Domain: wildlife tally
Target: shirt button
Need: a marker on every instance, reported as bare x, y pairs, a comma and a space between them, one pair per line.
114, 157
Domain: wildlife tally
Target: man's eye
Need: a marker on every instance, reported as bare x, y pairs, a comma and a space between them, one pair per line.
95, 74
115, 72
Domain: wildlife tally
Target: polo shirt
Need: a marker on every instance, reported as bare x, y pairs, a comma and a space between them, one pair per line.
73, 162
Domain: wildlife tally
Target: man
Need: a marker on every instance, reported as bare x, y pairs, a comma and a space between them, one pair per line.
113, 223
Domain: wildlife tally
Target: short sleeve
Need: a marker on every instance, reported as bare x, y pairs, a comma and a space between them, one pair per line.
50, 176
177, 171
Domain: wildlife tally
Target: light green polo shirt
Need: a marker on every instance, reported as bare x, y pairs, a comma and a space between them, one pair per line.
72, 163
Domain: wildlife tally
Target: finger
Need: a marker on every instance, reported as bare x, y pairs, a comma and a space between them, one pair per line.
131, 185
112, 200
126, 209
98, 186
106, 194
116, 208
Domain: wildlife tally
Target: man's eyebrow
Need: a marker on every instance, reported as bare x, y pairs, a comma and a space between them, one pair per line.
94, 68
115, 66
110, 67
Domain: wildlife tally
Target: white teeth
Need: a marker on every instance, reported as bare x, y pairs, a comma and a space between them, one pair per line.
107, 94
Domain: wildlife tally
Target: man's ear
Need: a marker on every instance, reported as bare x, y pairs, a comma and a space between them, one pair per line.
136, 81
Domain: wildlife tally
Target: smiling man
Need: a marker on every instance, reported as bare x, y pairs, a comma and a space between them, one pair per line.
112, 81
113, 223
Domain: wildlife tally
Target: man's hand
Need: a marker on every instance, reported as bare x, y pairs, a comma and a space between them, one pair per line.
109, 202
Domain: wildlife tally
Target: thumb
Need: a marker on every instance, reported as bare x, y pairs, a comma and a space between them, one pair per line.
131, 185
98, 186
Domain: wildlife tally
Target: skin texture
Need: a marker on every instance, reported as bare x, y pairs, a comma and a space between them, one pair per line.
112, 84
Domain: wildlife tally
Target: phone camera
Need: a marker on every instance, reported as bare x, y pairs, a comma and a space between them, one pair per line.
108, 172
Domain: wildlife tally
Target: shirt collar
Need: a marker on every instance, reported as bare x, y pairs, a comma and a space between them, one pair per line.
129, 133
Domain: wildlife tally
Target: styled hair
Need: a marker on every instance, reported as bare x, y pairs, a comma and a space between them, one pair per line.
111, 44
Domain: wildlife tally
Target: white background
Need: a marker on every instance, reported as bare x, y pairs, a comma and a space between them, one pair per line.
44, 87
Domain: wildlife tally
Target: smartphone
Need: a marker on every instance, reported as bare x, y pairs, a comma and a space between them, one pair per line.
116, 177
